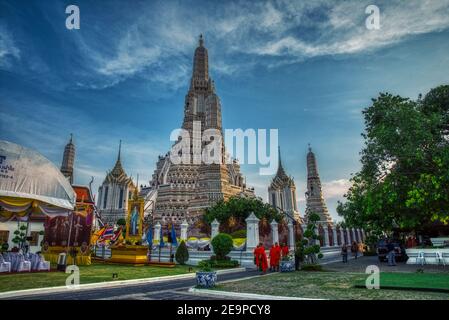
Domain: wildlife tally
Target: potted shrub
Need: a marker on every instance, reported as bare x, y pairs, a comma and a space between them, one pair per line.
205, 277
287, 264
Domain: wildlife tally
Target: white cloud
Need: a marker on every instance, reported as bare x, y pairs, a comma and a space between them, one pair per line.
344, 32
159, 44
335, 189
8, 48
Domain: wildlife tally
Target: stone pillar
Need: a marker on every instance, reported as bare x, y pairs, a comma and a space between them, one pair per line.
334, 233
215, 225
326, 236
348, 237
342, 237
353, 234
184, 226
359, 235
363, 234
252, 232
291, 235
274, 231
157, 232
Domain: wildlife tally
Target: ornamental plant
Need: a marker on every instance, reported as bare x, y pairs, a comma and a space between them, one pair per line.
222, 244
310, 248
182, 254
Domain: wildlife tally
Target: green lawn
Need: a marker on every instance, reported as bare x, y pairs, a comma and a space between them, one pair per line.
414, 280
336, 285
97, 272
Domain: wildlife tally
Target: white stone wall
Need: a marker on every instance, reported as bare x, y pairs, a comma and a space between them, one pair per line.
12, 226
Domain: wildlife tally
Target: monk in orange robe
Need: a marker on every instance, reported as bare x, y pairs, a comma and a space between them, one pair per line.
275, 257
278, 255
272, 257
261, 258
284, 250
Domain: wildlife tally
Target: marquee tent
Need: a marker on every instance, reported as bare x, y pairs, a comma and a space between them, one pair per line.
29, 182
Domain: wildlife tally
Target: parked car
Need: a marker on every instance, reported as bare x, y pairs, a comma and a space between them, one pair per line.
399, 249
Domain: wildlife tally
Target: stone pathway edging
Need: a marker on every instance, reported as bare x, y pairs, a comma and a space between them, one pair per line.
249, 296
109, 284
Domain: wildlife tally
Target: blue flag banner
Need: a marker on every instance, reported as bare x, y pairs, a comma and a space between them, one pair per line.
174, 241
161, 242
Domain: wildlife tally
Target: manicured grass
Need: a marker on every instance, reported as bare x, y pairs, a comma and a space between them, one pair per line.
413, 280
333, 285
97, 272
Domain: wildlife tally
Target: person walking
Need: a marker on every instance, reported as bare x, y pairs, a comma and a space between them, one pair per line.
261, 258
273, 258
354, 249
391, 253
344, 253
284, 250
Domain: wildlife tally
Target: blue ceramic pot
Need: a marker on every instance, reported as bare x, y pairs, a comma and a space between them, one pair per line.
206, 279
287, 266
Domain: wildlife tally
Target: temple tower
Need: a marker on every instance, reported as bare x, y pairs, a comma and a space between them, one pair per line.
282, 192
183, 191
114, 193
68, 160
314, 195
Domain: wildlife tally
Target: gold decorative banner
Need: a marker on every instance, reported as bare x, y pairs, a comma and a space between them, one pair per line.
134, 220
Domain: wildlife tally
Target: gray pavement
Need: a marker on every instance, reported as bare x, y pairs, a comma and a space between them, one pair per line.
165, 290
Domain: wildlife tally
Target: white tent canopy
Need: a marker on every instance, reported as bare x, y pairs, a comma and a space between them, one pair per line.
25, 173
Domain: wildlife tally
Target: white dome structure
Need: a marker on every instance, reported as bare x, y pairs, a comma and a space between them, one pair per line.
26, 174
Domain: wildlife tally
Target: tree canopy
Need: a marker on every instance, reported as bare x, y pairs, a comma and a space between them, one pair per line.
404, 179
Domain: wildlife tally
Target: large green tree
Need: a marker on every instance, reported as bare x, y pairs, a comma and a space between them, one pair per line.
232, 213
404, 179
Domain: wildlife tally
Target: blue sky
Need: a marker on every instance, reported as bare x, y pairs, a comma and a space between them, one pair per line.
307, 68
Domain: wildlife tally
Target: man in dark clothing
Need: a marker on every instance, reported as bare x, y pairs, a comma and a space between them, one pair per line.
344, 253
391, 253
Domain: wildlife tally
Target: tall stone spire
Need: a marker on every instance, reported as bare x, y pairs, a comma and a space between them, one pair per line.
314, 195
185, 190
200, 62
68, 160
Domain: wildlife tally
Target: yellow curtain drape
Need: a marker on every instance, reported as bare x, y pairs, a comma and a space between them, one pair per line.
16, 202
8, 214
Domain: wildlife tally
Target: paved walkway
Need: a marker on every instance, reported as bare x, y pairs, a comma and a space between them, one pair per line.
164, 290
360, 264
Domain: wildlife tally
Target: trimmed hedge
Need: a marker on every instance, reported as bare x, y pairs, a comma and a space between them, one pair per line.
220, 263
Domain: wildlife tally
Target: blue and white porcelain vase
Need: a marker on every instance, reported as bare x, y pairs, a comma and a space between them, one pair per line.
206, 279
287, 266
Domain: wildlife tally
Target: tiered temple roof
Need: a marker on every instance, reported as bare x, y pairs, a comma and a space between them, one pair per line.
117, 174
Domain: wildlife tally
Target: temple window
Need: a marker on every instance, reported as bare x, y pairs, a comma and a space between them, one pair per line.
105, 199
120, 201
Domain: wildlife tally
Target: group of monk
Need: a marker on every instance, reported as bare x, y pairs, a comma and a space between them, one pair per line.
276, 252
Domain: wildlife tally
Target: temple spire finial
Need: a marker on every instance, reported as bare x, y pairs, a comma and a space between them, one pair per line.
279, 156
71, 138
119, 150
310, 148
201, 40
